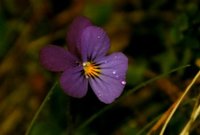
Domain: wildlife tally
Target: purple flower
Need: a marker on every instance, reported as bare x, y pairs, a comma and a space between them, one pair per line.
86, 62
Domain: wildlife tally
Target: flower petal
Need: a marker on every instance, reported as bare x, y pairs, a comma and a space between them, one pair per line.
111, 82
55, 58
74, 33
106, 88
94, 43
114, 65
74, 83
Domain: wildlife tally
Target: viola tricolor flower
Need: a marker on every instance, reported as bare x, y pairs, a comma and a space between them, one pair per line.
85, 62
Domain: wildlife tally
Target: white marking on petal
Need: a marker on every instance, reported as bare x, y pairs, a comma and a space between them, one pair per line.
84, 64
86, 76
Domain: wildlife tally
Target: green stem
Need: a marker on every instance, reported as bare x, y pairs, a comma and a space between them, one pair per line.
94, 116
69, 118
40, 109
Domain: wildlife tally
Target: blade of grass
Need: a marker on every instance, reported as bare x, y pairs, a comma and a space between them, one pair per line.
40, 109
147, 126
178, 103
193, 117
162, 119
97, 114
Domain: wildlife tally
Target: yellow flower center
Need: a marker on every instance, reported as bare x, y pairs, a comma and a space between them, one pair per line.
91, 69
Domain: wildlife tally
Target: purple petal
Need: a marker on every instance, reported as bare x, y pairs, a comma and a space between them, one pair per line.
74, 33
111, 82
74, 83
55, 58
94, 43
114, 65
106, 88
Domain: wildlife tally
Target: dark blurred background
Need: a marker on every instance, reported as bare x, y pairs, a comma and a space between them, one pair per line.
156, 35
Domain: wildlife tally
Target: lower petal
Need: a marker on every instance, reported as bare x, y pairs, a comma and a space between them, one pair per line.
74, 83
106, 88
110, 84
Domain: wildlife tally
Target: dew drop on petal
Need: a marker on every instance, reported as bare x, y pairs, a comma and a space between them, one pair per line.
114, 72
123, 82
98, 37
99, 93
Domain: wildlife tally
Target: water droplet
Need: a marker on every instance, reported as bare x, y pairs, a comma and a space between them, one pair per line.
123, 82
114, 72
117, 76
98, 37
99, 93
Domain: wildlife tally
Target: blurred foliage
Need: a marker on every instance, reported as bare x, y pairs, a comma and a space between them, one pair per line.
156, 35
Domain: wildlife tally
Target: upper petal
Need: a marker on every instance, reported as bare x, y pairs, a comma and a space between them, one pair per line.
74, 33
55, 58
94, 43
74, 83
110, 84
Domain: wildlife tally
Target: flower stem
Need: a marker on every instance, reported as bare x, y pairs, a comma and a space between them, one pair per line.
70, 126
40, 109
